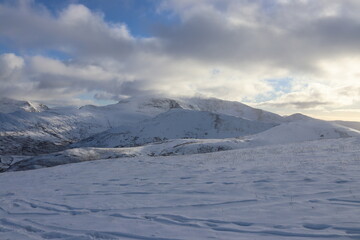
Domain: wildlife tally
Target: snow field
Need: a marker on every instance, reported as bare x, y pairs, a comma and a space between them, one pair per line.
305, 190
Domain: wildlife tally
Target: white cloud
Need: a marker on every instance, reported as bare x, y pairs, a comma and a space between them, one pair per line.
10, 64
43, 65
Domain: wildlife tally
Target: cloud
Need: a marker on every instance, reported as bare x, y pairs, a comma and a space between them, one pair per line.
317, 97
228, 49
75, 30
10, 65
300, 105
12, 70
291, 36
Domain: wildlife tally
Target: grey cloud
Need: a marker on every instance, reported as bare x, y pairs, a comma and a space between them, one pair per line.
207, 38
210, 39
349, 91
299, 104
136, 88
331, 35
125, 89
316, 97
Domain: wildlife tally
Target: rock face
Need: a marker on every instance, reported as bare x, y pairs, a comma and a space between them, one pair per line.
25, 145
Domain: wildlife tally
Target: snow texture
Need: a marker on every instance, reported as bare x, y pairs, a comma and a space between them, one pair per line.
294, 132
307, 190
175, 124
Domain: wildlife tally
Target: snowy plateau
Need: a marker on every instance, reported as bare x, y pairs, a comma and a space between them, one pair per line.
189, 168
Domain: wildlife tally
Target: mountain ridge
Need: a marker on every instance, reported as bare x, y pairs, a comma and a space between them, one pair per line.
8, 105
174, 124
47, 130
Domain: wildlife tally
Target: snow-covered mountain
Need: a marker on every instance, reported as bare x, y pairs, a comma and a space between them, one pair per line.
156, 105
302, 130
27, 128
142, 120
8, 105
176, 124
297, 117
231, 108
34, 131
287, 133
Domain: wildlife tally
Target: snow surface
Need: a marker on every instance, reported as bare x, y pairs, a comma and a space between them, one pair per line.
354, 125
305, 190
175, 124
153, 105
230, 108
305, 130
294, 132
297, 117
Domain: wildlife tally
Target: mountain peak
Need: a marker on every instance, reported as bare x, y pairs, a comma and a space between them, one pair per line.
297, 117
155, 104
8, 105
160, 103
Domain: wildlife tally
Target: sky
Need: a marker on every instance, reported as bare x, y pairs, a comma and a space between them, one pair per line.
283, 56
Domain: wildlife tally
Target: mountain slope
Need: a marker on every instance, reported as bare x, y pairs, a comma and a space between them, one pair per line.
158, 105
8, 105
174, 124
33, 132
288, 133
133, 122
297, 117
349, 124
231, 108
297, 191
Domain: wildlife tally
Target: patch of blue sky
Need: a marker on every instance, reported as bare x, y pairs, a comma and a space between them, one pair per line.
215, 72
263, 97
279, 86
49, 53
8, 47
283, 85
5, 48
